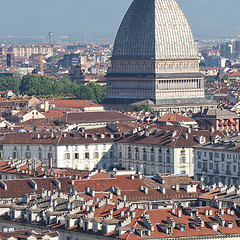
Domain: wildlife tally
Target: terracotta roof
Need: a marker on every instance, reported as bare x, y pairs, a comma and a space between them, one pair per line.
159, 216
17, 188
174, 117
53, 114
88, 117
170, 136
66, 103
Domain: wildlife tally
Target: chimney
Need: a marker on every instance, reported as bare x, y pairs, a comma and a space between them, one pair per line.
210, 212
33, 184
206, 212
140, 176
121, 213
179, 213
222, 211
46, 106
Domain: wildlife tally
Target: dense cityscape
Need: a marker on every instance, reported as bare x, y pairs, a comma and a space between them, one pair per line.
133, 139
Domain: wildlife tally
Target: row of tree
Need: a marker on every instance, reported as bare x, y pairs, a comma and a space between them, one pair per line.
44, 86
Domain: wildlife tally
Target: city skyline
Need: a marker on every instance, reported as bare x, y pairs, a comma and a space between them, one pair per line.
101, 18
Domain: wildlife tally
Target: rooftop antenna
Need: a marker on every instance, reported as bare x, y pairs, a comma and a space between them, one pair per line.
50, 37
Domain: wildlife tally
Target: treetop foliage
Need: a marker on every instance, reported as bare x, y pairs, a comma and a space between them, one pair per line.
44, 86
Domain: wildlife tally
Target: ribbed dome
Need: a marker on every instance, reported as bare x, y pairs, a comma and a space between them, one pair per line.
155, 29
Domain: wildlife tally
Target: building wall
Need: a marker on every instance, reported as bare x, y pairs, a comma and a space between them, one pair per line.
44, 152
216, 166
85, 156
151, 160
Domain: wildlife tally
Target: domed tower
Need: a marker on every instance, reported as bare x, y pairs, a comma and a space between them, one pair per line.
155, 57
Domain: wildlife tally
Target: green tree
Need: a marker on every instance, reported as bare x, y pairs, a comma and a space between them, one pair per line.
9, 83
138, 108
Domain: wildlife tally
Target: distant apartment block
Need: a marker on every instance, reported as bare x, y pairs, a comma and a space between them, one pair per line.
29, 49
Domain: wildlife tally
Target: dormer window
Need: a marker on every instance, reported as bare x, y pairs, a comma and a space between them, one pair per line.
202, 140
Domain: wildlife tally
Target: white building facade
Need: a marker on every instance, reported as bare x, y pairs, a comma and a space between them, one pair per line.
218, 162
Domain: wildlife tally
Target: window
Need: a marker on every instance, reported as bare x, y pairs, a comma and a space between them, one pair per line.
76, 155
67, 156
96, 155
210, 166
129, 155
234, 168
86, 147
168, 159
152, 150
50, 156
205, 154
40, 155
152, 157
27, 155
120, 154
211, 156
28, 148
144, 157
1, 155
87, 155
15, 155
66, 147
216, 155
1, 147
223, 167
223, 156
199, 154
111, 154
205, 167
160, 158
199, 164
50, 149
229, 156
103, 154
183, 159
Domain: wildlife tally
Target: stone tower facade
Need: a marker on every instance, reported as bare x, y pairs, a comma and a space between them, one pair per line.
155, 57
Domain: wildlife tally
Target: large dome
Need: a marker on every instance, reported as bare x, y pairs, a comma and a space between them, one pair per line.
155, 29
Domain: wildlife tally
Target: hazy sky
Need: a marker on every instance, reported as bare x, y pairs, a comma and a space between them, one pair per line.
103, 17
